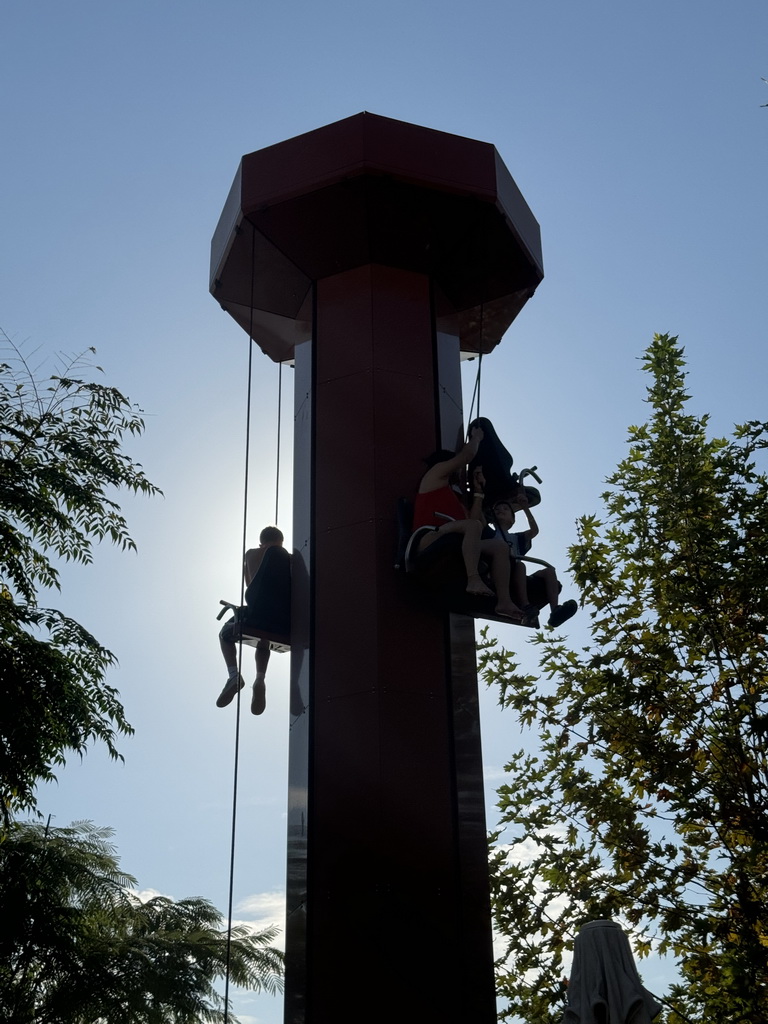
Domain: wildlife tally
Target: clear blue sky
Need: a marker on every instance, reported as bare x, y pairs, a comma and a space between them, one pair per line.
636, 135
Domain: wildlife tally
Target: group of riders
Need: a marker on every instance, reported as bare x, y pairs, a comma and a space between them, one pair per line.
470, 495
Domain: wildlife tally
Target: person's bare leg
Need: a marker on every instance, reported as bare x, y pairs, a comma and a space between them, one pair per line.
262, 658
259, 700
229, 651
471, 545
470, 529
551, 586
234, 681
498, 555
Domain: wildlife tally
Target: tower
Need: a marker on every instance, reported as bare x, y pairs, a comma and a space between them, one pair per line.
372, 253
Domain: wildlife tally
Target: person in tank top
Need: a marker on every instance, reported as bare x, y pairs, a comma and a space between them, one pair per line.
440, 503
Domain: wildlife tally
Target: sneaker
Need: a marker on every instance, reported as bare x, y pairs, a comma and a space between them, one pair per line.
259, 699
562, 613
234, 683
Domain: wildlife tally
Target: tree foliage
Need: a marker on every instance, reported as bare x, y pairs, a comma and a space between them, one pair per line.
61, 464
78, 946
645, 793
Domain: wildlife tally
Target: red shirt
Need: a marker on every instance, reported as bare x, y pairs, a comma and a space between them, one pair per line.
444, 500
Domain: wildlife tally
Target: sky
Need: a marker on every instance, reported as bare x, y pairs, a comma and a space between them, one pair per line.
635, 133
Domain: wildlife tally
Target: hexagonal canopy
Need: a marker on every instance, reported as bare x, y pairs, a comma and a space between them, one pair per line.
370, 189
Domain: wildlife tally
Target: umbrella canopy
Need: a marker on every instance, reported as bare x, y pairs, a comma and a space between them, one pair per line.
605, 987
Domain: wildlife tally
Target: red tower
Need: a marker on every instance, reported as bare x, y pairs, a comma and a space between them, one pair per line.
372, 252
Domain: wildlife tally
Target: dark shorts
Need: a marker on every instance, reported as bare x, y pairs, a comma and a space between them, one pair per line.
227, 632
230, 633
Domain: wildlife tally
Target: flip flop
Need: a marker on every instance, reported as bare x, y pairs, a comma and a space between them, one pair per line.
562, 613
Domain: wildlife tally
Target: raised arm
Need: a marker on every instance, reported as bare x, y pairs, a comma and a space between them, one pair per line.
440, 474
521, 503
476, 510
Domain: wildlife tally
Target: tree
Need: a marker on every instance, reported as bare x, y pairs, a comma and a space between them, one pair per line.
77, 946
646, 793
61, 461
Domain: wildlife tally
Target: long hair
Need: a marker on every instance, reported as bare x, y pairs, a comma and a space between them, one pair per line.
496, 461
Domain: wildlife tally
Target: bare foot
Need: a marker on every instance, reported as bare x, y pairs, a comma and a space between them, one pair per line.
477, 588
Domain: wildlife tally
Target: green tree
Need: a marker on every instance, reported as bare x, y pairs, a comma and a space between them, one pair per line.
77, 946
61, 463
644, 793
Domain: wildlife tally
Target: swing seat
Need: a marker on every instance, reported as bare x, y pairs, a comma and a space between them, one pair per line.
266, 614
439, 570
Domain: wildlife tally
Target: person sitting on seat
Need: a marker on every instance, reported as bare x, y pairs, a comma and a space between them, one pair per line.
269, 537
541, 587
440, 502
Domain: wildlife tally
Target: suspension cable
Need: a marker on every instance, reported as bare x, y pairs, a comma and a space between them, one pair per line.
279, 431
479, 372
476, 391
230, 900
480, 360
